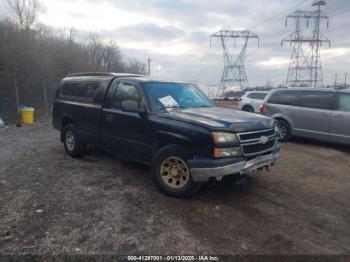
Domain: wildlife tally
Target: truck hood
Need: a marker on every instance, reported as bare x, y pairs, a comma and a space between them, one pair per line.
218, 118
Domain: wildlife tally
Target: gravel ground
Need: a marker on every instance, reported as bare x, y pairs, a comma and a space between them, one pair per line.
53, 204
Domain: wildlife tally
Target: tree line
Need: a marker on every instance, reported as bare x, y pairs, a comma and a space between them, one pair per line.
34, 58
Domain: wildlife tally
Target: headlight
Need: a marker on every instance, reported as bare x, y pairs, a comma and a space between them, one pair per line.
227, 152
224, 138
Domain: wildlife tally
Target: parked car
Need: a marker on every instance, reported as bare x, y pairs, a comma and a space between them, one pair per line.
251, 101
322, 114
173, 127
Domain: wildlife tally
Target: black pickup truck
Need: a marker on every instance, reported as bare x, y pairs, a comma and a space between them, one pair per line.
173, 127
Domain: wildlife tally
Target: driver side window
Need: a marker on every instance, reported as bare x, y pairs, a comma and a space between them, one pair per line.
125, 92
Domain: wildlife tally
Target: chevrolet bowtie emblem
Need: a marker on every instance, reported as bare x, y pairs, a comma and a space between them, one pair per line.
264, 140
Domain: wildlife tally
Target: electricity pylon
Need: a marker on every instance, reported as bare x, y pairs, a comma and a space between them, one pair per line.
234, 69
305, 68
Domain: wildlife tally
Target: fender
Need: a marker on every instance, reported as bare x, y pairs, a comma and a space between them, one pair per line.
174, 136
168, 138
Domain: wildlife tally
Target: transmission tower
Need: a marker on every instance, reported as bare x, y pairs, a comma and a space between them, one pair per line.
305, 68
234, 70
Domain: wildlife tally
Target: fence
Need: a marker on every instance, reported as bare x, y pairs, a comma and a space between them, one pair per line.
8, 108
37, 94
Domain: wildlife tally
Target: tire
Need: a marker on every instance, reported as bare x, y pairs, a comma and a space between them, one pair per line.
72, 143
171, 173
284, 130
249, 109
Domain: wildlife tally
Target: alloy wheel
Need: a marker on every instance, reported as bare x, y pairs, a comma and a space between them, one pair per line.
174, 172
282, 131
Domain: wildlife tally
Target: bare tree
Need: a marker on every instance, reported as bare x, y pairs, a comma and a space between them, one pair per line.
136, 67
96, 51
111, 56
36, 58
25, 12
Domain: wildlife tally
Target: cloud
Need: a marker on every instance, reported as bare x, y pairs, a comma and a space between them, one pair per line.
331, 54
274, 63
147, 32
175, 33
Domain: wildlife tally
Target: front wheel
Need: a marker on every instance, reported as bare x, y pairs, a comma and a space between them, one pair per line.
172, 174
284, 131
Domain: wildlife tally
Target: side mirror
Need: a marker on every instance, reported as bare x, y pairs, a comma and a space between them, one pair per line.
131, 106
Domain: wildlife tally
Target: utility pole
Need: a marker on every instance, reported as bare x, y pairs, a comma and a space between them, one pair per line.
335, 80
149, 66
234, 69
45, 100
18, 114
305, 68
345, 80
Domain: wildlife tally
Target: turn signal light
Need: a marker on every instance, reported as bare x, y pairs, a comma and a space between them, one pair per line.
227, 152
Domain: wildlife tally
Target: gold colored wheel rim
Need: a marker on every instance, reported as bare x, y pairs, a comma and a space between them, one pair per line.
174, 173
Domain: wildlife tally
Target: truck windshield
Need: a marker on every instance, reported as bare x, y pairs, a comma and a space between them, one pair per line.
165, 96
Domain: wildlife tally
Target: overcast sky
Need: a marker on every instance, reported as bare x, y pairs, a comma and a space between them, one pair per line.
175, 33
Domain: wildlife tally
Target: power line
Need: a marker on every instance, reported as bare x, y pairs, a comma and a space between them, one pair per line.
342, 36
342, 11
341, 28
282, 13
276, 16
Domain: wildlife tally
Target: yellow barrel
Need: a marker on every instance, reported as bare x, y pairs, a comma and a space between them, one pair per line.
27, 115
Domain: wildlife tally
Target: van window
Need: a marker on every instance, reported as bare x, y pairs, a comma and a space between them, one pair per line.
344, 102
317, 99
79, 90
125, 92
284, 98
258, 96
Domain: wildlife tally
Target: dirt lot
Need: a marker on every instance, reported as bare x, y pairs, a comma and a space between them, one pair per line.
52, 204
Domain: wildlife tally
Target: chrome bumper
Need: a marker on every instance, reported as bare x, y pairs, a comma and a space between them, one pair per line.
243, 168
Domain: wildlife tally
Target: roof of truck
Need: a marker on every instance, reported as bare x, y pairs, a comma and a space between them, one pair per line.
88, 76
103, 74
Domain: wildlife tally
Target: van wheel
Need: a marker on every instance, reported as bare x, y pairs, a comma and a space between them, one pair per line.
72, 144
284, 131
171, 173
248, 109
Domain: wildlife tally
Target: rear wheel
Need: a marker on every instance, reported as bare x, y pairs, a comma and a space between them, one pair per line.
284, 131
72, 143
172, 174
249, 109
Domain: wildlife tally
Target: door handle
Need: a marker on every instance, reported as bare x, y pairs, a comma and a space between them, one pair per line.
324, 114
338, 116
109, 118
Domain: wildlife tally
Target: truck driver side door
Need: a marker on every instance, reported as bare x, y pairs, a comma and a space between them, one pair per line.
125, 133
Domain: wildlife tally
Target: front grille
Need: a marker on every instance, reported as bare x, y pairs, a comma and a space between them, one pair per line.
258, 148
252, 145
256, 135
